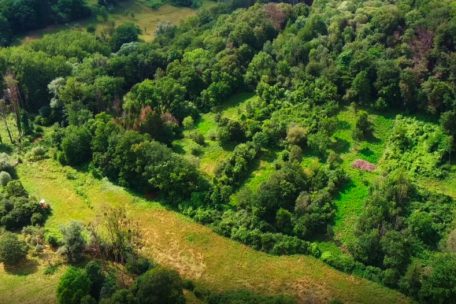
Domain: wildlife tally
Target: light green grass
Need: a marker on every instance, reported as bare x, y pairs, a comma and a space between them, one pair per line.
264, 168
135, 11
351, 200
212, 153
445, 186
235, 106
11, 121
175, 241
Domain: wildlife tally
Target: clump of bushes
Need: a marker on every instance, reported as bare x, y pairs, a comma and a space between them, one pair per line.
93, 284
12, 250
5, 178
18, 209
37, 153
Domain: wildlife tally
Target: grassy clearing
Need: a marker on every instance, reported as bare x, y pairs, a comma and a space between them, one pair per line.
211, 153
446, 186
235, 106
29, 284
135, 11
263, 169
176, 241
350, 202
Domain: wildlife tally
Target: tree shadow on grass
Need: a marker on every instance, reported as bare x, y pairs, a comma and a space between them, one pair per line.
372, 139
239, 296
24, 268
366, 152
5, 148
343, 125
178, 148
230, 145
340, 145
268, 155
346, 187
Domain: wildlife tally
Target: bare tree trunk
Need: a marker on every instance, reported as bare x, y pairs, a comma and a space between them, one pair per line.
3, 112
15, 99
7, 128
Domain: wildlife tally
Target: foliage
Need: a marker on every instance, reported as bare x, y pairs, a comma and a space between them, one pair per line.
20, 16
12, 250
73, 241
124, 33
115, 236
76, 145
419, 147
18, 210
363, 128
159, 285
246, 297
73, 286
5, 178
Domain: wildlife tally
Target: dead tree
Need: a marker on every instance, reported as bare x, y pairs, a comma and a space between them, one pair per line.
14, 96
3, 114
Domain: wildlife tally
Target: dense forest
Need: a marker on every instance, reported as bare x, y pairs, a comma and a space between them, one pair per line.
120, 108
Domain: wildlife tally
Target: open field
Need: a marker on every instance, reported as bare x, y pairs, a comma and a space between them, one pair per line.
135, 11
176, 241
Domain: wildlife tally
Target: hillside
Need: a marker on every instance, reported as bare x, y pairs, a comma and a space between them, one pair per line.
174, 240
134, 11
230, 152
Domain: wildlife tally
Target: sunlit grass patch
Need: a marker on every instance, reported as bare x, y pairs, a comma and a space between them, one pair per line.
174, 240
135, 11
350, 201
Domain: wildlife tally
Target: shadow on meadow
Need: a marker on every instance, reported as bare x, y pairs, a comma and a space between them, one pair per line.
24, 268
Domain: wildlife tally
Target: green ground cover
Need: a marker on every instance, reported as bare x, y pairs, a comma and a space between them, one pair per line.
175, 241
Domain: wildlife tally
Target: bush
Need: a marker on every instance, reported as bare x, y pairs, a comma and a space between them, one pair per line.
20, 210
159, 285
296, 135
438, 284
76, 145
15, 189
188, 123
363, 128
96, 277
73, 286
124, 33
121, 296
246, 297
137, 265
53, 241
37, 153
5, 164
189, 285
12, 250
5, 177
230, 131
197, 137
196, 150
73, 242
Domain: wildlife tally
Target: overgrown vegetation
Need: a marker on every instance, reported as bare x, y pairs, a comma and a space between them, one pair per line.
140, 115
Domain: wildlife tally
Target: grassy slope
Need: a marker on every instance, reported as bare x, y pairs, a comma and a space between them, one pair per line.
135, 11
350, 202
176, 241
